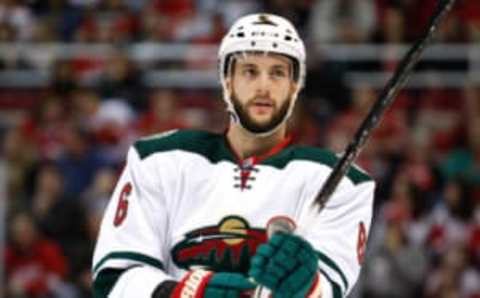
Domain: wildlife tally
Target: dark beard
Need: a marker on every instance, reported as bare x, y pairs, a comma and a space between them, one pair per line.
249, 124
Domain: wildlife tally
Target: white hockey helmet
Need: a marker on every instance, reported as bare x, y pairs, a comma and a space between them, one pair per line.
262, 33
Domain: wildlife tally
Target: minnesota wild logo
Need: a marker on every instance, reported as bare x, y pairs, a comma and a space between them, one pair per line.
227, 246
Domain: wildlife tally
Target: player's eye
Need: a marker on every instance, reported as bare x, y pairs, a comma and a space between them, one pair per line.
249, 72
278, 73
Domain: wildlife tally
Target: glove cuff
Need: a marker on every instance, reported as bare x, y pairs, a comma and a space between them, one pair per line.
193, 284
316, 289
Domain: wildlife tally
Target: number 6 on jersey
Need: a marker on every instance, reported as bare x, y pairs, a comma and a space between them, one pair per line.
122, 207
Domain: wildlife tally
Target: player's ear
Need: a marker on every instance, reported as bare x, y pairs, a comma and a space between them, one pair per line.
228, 85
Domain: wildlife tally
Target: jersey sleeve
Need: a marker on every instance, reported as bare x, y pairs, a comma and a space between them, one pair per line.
339, 233
130, 254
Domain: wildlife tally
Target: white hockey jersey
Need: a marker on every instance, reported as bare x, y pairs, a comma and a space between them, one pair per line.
185, 200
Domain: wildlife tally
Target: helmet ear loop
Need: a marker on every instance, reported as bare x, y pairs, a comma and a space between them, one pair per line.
227, 85
295, 89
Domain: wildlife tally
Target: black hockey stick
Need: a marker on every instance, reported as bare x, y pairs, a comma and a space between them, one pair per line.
387, 96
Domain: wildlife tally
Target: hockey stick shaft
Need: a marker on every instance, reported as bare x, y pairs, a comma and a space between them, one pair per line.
386, 98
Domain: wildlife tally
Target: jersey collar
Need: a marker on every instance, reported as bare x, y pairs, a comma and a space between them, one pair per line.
259, 158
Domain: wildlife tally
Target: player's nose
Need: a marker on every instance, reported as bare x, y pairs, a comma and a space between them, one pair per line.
263, 84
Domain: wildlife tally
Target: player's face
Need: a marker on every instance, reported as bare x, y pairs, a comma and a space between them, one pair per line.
261, 88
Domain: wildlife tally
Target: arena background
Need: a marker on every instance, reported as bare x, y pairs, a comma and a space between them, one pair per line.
81, 79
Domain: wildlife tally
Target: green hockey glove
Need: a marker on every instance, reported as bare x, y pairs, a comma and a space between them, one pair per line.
287, 265
207, 284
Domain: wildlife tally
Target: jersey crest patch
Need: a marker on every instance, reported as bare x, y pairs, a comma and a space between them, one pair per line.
227, 246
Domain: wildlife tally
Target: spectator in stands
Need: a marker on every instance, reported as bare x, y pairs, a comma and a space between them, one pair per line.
163, 113
440, 114
11, 59
85, 104
19, 156
63, 78
392, 28
418, 164
44, 32
110, 122
83, 3
203, 29
174, 8
229, 10
472, 274
396, 268
464, 162
120, 80
154, 27
162, 19
35, 265
83, 278
449, 219
446, 279
418, 13
86, 29
95, 200
79, 162
59, 217
470, 13
45, 127
19, 16
136, 5
114, 23
7, 33
342, 21
114, 131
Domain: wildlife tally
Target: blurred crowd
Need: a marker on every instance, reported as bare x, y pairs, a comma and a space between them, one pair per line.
65, 145
205, 21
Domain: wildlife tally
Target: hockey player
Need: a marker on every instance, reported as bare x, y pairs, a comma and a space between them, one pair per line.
188, 216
